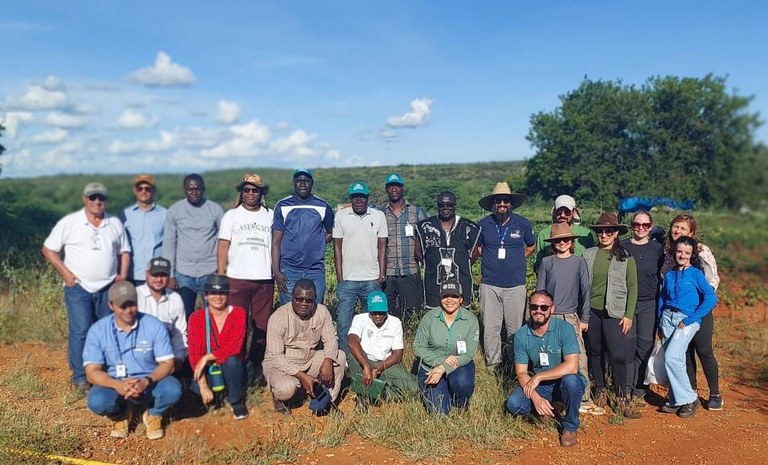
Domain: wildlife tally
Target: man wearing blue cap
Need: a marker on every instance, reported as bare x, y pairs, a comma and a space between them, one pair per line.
360, 247
302, 226
403, 286
376, 353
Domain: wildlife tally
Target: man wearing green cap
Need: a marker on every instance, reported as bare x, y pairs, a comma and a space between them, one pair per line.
360, 246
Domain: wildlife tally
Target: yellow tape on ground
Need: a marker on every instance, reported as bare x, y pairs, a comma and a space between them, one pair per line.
29, 453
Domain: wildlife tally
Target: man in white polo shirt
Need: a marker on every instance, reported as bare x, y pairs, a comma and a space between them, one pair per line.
94, 243
244, 255
360, 248
166, 305
376, 353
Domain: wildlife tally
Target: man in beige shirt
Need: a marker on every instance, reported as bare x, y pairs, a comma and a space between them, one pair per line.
293, 364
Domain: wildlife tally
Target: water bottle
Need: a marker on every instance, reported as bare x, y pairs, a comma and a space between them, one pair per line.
216, 377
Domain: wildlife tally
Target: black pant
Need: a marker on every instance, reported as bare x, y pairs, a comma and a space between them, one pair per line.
645, 328
701, 345
405, 295
605, 334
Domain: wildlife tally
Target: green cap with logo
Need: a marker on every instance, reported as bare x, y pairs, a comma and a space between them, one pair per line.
377, 302
358, 188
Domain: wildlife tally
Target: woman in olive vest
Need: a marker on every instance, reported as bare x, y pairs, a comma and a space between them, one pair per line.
613, 295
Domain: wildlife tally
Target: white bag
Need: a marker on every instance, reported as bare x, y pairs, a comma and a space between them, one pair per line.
656, 373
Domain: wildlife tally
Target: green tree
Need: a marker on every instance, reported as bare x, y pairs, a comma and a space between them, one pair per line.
677, 137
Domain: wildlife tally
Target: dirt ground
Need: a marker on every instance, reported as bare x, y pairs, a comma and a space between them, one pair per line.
736, 435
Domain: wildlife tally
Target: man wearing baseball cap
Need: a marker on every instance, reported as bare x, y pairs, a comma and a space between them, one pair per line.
144, 223
94, 244
564, 211
360, 247
301, 228
376, 354
403, 286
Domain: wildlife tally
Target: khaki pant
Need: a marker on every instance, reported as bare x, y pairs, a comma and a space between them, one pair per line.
573, 320
284, 387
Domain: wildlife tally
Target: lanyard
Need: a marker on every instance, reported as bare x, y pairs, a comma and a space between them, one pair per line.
502, 234
120, 351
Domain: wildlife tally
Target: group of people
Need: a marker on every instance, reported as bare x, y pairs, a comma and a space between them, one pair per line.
137, 335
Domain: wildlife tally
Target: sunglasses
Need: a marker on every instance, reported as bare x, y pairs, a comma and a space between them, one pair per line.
641, 225
500, 200
561, 240
607, 232
563, 211
446, 205
251, 190
95, 197
143, 188
304, 300
543, 308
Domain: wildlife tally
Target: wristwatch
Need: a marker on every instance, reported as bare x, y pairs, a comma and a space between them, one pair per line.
151, 381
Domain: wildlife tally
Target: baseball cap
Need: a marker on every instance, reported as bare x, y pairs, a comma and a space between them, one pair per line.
122, 293
377, 302
450, 287
159, 265
303, 171
565, 201
321, 402
95, 188
144, 179
357, 188
394, 178
217, 283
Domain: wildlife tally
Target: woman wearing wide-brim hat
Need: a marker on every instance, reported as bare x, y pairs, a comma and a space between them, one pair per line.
613, 296
502, 191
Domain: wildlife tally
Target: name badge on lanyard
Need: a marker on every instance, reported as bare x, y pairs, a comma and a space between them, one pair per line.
544, 359
408, 230
461, 347
502, 253
121, 371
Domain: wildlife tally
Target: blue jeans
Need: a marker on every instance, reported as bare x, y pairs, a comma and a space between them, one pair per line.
453, 390
569, 389
233, 370
158, 399
83, 309
675, 343
294, 274
189, 288
347, 295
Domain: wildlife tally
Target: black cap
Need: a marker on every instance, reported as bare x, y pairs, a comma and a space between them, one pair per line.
217, 283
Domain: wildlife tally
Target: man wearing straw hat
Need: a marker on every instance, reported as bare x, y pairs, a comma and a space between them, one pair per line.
506, 239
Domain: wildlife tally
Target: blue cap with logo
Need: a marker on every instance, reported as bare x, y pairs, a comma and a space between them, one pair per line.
377, 302
394, 178
357, 188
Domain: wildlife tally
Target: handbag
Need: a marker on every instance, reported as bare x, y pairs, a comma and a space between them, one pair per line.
656, 373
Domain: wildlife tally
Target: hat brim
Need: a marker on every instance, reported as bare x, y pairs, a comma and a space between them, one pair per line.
562, 236
487, 202
623, 229
264, 188
378, 310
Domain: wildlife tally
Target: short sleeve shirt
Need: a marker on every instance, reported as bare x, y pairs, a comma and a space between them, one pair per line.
304, 224
556, 343
250, 242
360, 236
378, 343
513, 238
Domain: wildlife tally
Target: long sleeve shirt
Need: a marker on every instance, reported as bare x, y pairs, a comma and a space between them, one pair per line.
435, 340
689, 292
230, 337
567, 279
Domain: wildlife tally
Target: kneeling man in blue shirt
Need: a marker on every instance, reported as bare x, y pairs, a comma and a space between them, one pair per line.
547, 348
128, 359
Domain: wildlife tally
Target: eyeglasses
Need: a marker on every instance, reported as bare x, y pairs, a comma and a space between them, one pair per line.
500, 200
251, 190
304, 300
193, 189
562, 239
563, 211
606, 232
543, 308
445, 205
99, 197
641, 225
143, 188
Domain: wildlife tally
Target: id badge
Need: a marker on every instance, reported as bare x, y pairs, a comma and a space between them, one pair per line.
121, 371
543, 359
461, 347
446, 262
502, 254
408, 230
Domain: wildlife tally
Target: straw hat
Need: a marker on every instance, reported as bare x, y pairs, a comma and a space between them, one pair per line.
502, 188
609, 220
561, 231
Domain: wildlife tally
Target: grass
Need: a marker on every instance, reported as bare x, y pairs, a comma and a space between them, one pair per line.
23, 383
282, 445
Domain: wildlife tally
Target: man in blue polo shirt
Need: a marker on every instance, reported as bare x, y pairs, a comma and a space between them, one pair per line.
128, 359
302, 225
547, 347
144, 223
506, 240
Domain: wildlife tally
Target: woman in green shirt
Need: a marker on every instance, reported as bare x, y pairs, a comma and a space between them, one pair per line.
445, 343
613, 296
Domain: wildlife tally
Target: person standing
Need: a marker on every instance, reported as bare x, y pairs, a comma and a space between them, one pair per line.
191, 231
96, 254
564, 211
144, 222
245, 257
303, 224
506, 240
403, 286
448, 244
359, 246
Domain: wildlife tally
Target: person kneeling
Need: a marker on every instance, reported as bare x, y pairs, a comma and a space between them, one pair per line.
216, 342
128, 359
376, 347
549, 347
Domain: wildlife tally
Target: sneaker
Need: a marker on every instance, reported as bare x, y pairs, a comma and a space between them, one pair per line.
591, 409
688, 410
120, 427
666, 408
239, 411
281, 407
715, 402
154, 426
568, 438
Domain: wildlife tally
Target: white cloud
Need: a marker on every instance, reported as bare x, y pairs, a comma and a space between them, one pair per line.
12, 121
39, 98
164, 73
281, 125
228, 112
296, 144
244, 140
166, 142
332, 154
135, 120
54, 136
389, 135
53, 83
418, 116
66, 120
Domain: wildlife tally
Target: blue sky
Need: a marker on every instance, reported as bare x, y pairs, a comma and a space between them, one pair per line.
170, 86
